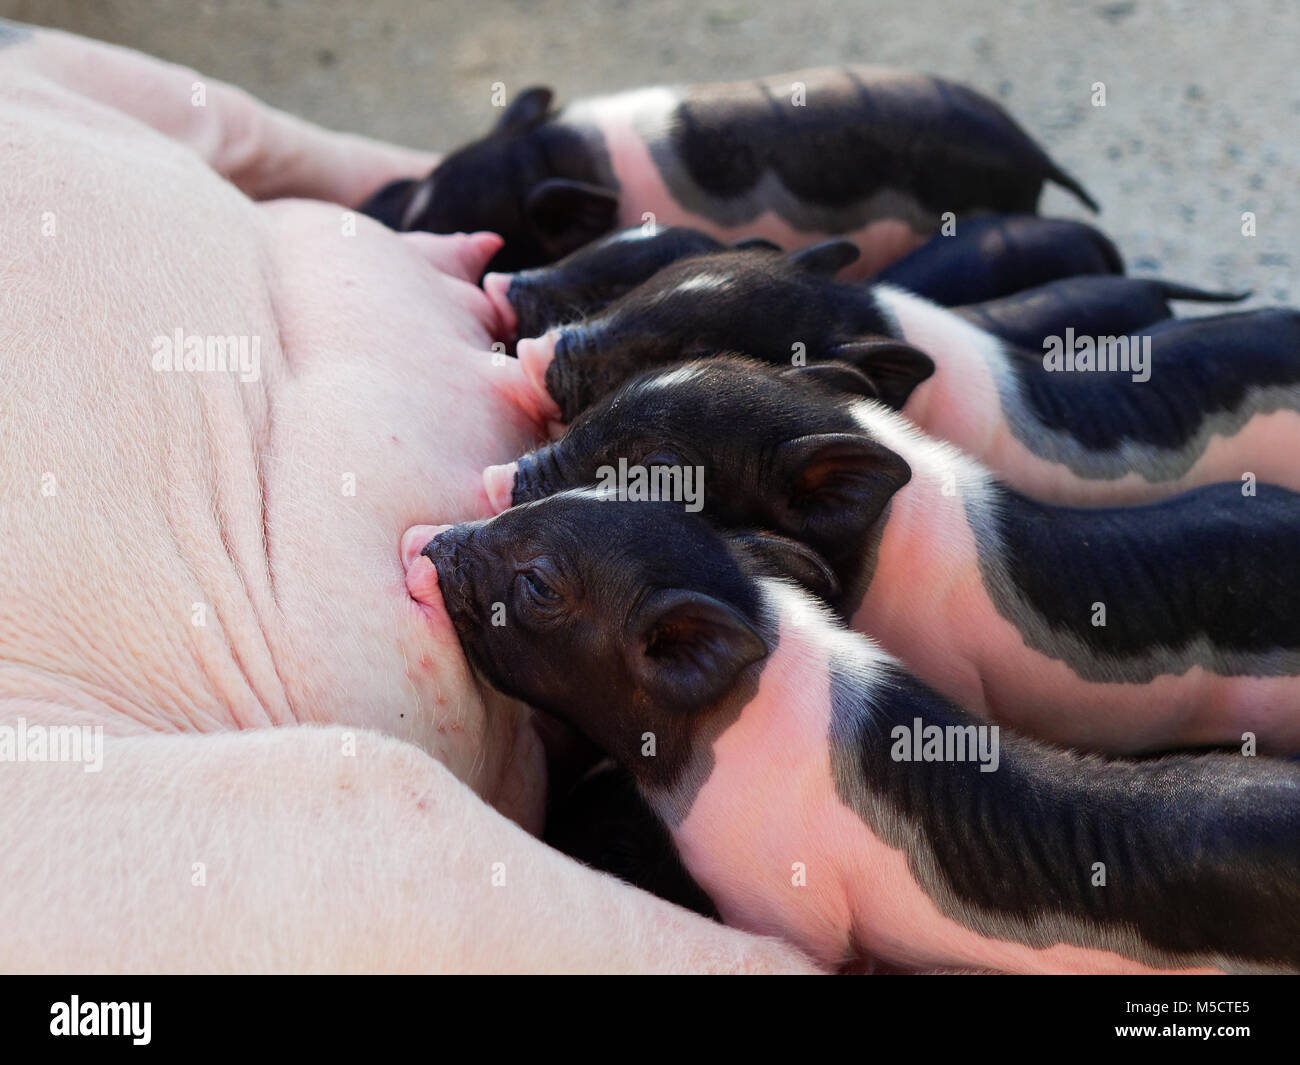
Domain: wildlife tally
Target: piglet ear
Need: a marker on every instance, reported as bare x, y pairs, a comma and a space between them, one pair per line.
836, 376
687, 649
827, 258
893, 367
836, 485
525, 110
783, 557
567, 214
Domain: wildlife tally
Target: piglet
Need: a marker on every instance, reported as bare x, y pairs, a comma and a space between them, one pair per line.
876, 155
1091, 305
1084, 421
1160, 625
817, 791
588, 280
605, 822
992, 256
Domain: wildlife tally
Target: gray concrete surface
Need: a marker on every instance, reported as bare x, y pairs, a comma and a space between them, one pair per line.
1200, 124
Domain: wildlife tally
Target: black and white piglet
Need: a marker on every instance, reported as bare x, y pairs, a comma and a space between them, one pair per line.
817, 791
588, 280
992, 256
1187, 403
875, 155
1165, 625
1014, 267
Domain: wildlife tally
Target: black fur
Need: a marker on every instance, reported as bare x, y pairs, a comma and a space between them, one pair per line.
779, 450
591, 278
569, 579
1211, 563
1091, 305
780, 309
990, 257
1200, 367
1201, 853
540, 184
856, 134
605, 823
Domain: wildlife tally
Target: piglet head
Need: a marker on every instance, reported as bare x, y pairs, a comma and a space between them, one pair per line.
773, 449
620, 618
589, 279
505, 183
784, 310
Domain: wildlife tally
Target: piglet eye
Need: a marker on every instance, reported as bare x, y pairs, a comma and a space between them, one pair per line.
537, 587
661, 457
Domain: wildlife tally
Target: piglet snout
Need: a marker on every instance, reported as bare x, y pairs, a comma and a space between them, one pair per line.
499, 484
535, 357
536, 475
414, 541
497, 289
421, 575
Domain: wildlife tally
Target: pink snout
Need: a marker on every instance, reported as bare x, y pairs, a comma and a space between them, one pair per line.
499, 484
496, 286
535, 357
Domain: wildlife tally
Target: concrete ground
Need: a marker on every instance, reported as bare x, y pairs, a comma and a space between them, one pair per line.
1200, 122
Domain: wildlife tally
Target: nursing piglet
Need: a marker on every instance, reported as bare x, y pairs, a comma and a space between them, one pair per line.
875, 155
1084, 421
1169, 624
817, 791
992, 256
588, 280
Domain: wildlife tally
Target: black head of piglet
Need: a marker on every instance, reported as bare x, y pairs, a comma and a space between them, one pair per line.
533, 181
589, 279
779, 449
620, 618
781, 309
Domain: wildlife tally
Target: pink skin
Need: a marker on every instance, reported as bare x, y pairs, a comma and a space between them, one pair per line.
643, 191
285, 504
942, 623
521, 790
769, 801
277, 699
961, 404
